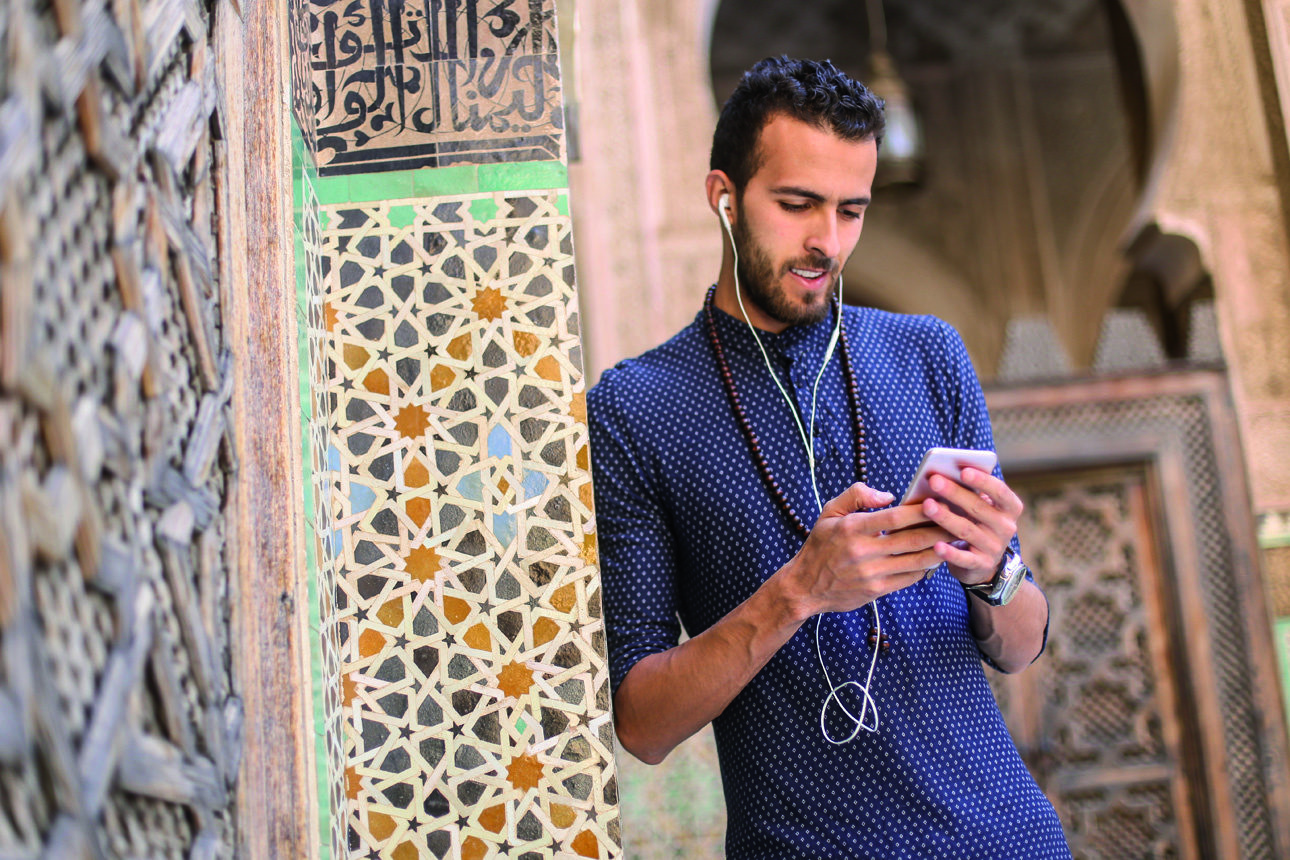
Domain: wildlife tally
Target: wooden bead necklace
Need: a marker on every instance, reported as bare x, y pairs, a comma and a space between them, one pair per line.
754, 445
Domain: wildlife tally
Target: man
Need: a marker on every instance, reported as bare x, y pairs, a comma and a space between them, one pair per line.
845, 686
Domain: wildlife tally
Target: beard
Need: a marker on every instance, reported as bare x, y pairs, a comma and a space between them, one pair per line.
758, 276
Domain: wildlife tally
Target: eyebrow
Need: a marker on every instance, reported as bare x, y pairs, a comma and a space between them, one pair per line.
794, 191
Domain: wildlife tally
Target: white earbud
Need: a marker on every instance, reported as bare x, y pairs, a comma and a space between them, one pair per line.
723, 208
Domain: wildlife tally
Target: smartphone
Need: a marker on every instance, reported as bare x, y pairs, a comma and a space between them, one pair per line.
949, 462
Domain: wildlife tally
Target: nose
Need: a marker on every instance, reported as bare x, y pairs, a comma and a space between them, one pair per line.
824, 239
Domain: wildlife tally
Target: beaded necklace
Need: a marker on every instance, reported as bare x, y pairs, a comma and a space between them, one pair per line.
750, 436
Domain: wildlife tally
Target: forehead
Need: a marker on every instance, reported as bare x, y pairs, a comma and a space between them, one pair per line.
792, 152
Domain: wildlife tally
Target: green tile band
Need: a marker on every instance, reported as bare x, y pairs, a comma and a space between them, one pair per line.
1281, 636
523, 176
301, 166
441, 182
446, 181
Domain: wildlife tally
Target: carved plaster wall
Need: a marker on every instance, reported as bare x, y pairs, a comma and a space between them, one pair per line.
121, 480
1217, 184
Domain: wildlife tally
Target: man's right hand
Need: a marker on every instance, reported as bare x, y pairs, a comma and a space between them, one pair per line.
860, 550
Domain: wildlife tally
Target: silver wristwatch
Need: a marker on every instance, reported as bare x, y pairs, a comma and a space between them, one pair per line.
1008, 577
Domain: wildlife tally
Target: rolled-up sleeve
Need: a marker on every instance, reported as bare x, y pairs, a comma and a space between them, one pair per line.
637, 557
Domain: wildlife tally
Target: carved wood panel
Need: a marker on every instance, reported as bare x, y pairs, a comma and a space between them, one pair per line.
1156, 708
1098, 718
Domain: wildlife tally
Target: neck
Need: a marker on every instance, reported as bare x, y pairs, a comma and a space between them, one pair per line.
728, 382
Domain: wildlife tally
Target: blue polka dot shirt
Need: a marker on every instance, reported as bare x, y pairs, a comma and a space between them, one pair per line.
688, 531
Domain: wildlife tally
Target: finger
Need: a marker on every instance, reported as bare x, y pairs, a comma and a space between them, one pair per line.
971, 504
910, 564
966, 559
979, 536
999, 493
884, 584
857, 497
903, 579
913, 540
890, 519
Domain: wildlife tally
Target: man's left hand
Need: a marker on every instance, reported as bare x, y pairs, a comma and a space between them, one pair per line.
982, 514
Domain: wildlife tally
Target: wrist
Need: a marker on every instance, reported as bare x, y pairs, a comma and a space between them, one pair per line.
968, 577
788, 593
1002, 586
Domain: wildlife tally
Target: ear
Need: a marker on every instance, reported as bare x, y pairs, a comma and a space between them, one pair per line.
716, 184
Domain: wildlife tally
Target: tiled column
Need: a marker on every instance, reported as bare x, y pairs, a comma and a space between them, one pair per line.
473, 690
1274, 547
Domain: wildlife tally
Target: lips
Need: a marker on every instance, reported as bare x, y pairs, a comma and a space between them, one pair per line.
812, 273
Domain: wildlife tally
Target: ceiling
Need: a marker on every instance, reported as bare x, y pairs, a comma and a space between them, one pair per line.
919, 32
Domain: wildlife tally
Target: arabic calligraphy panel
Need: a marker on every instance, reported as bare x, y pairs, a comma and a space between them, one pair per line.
428, 86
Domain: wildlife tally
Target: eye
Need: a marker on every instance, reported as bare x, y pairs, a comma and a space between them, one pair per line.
851, 214
794, 207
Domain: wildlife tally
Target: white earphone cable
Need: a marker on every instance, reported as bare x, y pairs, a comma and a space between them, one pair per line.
868, 704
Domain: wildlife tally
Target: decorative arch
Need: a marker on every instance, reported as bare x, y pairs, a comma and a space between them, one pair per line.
1146, 41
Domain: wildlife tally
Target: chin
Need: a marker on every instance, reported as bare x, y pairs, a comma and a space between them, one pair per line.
814, 303
804, 313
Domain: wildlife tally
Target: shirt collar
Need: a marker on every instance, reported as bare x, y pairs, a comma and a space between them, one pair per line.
796, 343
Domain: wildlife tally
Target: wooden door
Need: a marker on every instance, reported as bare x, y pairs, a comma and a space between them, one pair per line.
1153, 720
1099, 719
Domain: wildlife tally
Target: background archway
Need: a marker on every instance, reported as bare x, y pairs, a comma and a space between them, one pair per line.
1043, 124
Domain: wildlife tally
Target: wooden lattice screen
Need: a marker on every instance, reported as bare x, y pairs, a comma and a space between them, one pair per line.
1152, 719
119, 728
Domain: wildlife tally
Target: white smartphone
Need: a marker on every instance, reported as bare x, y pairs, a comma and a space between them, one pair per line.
949, 462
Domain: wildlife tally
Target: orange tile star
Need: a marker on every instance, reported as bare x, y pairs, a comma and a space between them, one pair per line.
412, 421
515, 679
524, 772
422, 563
489, 304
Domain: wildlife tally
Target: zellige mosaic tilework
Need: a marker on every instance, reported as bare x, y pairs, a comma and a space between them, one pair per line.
473, 675
315, 404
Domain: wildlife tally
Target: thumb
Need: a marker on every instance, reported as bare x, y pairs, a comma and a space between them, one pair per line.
856, 497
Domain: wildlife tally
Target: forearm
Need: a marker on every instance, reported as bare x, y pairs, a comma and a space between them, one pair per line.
1011, 635
669, 696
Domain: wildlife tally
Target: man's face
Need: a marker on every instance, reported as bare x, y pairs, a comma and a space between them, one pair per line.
799, 218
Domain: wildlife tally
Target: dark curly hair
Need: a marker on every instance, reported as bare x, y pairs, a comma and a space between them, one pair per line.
806, 90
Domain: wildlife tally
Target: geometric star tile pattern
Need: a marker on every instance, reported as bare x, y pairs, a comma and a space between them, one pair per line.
473, 680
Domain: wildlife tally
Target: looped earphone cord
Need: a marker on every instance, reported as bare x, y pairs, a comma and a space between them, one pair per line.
868, 705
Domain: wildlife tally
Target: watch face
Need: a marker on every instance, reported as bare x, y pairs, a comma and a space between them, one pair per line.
1014, 573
